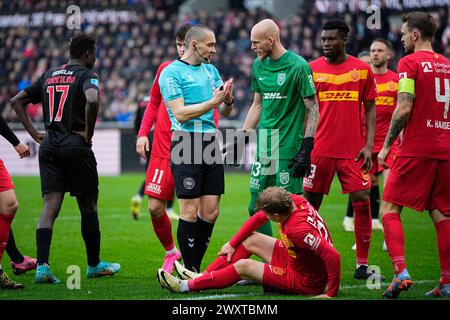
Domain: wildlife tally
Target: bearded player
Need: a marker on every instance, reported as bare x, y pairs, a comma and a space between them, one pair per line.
423, 160
284, 103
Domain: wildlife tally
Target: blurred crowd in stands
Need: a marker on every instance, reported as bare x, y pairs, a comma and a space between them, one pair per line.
130, 52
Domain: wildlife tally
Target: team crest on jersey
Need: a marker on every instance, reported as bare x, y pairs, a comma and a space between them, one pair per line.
188, 183
391, 86
354, 75
281, 78
365, 175
284, 177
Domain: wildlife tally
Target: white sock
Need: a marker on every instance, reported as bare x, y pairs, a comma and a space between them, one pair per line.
172, 251
184, 286
138, 197
359, 265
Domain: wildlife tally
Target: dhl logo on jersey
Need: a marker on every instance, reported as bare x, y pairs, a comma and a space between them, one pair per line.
338, 95
337, 79
387, 86
384, 101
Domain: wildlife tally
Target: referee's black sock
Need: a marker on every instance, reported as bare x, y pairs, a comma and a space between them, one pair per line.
12, 250
90, 230
204, 232
375, 201
349, 208
43, 241
186, 241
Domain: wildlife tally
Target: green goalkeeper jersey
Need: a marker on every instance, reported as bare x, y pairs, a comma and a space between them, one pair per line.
283, 84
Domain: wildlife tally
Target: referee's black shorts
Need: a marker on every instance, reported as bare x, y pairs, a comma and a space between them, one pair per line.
71, 170
196, 170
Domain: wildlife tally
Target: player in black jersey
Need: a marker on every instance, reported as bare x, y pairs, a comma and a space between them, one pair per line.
69, 97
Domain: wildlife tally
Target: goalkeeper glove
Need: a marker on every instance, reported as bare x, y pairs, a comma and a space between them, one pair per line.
302, 161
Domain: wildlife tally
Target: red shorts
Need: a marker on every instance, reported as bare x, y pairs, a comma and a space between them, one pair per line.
277, 277
377, 168
349, 172
159, 182
5, 180
419, 184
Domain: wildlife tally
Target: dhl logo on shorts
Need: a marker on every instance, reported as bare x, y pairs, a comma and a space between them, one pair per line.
338, 95
384, 101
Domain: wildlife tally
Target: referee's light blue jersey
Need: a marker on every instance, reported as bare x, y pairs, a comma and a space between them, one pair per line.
195, 84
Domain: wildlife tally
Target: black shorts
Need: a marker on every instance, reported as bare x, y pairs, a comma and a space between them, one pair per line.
194, 178
71, 170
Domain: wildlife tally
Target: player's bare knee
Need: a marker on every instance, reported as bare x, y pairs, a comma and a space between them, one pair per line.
156, 208
243, 266
10, 207
361, 195
252, 241
437, 216
389, 207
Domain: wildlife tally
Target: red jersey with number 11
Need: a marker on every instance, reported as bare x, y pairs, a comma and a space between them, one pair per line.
427, 131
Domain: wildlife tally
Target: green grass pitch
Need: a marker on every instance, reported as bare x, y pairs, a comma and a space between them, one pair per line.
134, 245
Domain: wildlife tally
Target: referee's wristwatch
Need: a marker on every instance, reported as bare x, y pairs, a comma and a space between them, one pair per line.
229, 104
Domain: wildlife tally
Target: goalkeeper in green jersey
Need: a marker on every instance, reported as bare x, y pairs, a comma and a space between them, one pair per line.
286, 109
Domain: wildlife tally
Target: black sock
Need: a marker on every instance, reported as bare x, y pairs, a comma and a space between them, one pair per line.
186, 241
141, 189
375, 201
43, 241
169, 204
90, 230
12, 250
204, 232
349, 208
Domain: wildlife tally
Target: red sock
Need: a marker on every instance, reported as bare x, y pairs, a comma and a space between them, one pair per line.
163, 230
363, 230
443, 241
215, 280
395, 240
5, 226
241, 252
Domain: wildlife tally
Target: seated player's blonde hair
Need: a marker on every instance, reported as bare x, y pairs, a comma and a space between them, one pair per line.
275, 200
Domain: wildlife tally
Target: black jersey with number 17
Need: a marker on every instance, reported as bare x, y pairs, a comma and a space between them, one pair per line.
61, 92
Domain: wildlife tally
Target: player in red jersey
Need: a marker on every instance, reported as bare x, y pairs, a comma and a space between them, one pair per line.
381, 51
8, 202
303, 262
423, 159
343, 83
159, 185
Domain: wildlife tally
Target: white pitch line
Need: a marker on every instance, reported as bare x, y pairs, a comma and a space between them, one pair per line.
235, 295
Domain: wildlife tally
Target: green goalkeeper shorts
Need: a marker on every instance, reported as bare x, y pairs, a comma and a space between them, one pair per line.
266, 174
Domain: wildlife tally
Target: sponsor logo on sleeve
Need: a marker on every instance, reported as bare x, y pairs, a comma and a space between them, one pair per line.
94, 82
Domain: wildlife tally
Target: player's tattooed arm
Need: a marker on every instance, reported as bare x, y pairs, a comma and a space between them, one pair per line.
312, 115
399, 117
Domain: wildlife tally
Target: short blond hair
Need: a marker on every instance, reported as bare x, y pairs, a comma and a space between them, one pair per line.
275, 200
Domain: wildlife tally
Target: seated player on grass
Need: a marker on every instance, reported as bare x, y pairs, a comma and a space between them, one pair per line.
304, 262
